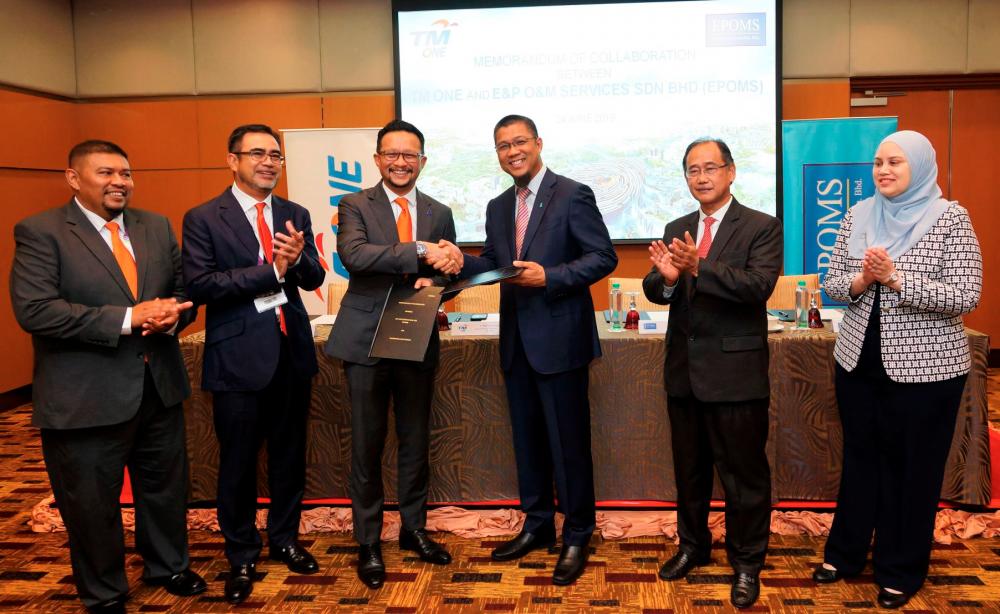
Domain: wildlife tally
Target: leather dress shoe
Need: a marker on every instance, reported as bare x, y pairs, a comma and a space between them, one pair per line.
679, 565
429, 550
746, 589
239, 584
296, 557
822, 575
183, 584
111, 606
371, 568
572, 562
891, 601
521, 545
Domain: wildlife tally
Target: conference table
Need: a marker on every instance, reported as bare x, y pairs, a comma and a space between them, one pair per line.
472, 459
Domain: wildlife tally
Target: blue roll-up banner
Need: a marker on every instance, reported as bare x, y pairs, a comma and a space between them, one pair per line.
827, 167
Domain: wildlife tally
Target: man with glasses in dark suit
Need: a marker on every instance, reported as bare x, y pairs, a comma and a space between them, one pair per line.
716, 268
246, 254
390, 234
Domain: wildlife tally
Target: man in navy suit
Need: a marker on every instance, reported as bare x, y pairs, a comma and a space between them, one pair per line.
550, 226
246, 253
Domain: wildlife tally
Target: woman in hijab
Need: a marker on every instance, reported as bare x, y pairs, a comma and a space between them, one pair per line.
908, 264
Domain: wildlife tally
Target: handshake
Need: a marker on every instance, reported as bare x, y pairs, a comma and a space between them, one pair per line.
444, 256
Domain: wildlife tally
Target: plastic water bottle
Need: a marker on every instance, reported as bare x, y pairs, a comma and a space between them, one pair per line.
801, 305
615, 307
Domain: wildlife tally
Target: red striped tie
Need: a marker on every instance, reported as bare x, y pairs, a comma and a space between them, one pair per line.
267, 244
521, 221
706, 239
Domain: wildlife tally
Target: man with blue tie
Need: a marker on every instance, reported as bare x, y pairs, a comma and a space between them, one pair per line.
549, 225
246, 254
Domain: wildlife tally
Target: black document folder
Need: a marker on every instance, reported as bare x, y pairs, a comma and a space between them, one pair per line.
408, 319
482, 279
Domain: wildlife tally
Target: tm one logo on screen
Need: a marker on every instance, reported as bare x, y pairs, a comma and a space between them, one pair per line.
434, 41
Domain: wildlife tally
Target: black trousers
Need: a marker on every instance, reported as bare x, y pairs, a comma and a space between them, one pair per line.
86, 469
550, 421
243, 421
411, 387
731, 437
896, 442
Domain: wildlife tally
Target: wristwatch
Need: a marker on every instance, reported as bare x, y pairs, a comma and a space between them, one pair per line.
893, 277
422, 250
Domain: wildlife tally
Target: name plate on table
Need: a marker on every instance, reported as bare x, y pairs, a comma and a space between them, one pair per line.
472, 325
408, 319
656, 324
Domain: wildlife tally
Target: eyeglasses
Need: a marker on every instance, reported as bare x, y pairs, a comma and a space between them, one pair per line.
408, 156
519, 142
259, 155
710, 171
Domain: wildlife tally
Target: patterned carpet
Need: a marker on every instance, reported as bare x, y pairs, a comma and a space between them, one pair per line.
35, 572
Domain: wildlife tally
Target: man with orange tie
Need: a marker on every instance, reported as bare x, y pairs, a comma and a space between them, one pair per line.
98, 285
390, 234
246, 254
716, 268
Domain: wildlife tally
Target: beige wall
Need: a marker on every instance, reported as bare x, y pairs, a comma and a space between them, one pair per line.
845, 38
36, 45
191, 47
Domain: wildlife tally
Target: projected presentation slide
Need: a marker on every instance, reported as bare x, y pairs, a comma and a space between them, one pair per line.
617, 91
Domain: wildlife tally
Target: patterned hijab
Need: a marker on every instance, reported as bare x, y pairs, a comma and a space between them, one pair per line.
898, 223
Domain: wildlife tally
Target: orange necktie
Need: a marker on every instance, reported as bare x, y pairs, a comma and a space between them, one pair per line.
403, 224
267, 244
125, 260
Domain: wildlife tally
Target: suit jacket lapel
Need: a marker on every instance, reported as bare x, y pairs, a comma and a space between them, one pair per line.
234, 217
95, 244
507, 220
727, 227
423, 218
280, 213
382, 209
538, 209
137, 237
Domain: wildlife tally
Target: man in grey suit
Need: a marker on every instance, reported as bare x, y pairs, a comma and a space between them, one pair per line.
390, 234
98, 286
716, 267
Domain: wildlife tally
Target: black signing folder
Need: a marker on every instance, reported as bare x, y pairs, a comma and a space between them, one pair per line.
482, 279
408, 319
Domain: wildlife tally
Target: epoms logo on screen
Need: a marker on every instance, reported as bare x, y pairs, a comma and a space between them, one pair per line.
736, 30
434, 41
828, 192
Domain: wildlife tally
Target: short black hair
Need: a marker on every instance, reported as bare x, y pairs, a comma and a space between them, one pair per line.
727, 156
94, 146
398, 125
236, 137
507, 120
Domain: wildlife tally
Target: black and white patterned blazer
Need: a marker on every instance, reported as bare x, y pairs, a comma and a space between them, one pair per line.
923, 339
